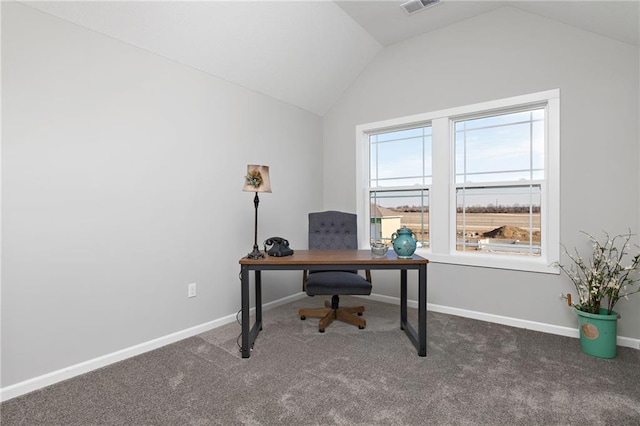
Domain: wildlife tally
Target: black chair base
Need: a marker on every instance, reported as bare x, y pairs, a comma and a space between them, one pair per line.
332, 311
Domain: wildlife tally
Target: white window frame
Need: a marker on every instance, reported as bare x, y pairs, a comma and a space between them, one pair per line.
442, 201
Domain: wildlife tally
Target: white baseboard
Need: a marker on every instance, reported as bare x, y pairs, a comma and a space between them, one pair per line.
48, 379
627, 342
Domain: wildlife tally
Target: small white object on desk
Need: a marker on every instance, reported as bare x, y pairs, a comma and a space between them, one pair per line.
379, 250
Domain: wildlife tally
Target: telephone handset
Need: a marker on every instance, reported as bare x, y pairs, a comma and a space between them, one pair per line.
278, 247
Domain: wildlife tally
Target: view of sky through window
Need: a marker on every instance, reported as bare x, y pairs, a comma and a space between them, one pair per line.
508, 147
497, 172
401, 158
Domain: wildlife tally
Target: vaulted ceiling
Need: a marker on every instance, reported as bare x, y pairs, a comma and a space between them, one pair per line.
305, 53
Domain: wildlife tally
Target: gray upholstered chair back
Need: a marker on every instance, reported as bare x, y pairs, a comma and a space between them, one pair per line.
331, 230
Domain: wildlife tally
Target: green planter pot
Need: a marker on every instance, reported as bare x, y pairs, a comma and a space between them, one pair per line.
598, 333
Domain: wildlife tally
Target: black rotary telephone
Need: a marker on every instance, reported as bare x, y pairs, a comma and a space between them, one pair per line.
278, 247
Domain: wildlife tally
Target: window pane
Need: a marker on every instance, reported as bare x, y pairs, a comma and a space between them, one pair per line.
494, 177
373, 160
503, 119
390, 210
501, 148
499, 220
494, 149
537, 139
410, 181
400, 134
400, 158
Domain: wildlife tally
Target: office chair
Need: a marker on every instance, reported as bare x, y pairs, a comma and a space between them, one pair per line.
331, 230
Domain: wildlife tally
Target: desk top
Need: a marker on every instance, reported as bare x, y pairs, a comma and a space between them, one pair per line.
334, 257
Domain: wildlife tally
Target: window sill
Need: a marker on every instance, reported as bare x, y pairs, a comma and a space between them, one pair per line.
496, 261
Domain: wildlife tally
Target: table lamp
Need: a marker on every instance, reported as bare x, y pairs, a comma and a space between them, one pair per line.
256, 180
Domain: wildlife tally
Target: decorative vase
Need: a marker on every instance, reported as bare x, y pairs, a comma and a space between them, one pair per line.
404, 242
598, 333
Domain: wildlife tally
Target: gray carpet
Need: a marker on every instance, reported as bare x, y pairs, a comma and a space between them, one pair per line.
474, 373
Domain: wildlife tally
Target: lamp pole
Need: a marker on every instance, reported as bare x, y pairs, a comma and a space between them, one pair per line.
255, 254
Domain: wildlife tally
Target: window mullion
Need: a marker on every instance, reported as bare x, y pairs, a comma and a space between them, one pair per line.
439, 197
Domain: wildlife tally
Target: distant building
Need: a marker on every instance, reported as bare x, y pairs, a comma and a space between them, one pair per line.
384, 222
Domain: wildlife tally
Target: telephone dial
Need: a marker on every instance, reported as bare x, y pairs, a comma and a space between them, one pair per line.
277, 247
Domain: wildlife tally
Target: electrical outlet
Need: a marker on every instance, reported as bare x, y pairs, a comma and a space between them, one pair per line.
191, 290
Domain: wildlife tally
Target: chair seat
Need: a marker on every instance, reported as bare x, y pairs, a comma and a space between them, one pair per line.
337, 282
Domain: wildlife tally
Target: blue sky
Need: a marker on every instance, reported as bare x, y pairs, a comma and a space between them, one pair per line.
500, 148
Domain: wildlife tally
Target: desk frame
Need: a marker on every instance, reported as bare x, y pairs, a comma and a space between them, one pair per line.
319, 260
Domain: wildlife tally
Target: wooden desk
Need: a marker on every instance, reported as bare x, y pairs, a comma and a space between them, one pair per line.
328, 260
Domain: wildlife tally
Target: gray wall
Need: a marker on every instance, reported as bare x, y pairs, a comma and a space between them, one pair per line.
121, 175
121, 183
497, 55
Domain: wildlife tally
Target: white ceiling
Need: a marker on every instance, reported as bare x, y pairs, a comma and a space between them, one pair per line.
305, 53
386, 22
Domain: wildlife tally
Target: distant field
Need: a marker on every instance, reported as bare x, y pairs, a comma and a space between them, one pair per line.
480, 222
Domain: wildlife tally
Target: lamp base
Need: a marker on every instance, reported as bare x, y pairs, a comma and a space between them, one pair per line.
255, 254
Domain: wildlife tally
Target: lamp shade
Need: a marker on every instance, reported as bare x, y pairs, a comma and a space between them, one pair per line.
257, 179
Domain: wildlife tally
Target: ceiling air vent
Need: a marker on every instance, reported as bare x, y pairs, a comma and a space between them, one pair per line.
415, 6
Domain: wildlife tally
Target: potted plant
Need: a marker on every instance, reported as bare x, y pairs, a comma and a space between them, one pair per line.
600, 282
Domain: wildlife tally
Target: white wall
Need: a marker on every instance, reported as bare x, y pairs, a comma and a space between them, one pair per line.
497, 55
121, 183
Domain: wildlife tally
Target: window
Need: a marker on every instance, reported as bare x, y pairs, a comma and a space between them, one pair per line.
499, 172
399, 181
477, 184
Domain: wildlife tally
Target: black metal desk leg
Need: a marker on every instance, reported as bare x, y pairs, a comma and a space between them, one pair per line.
403, 298
246, 349
258, 285
422, 310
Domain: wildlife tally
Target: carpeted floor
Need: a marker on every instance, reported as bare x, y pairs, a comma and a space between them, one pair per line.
474, 373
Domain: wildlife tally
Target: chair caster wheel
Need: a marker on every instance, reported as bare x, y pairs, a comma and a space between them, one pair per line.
361, 327
303, 318
321, 330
